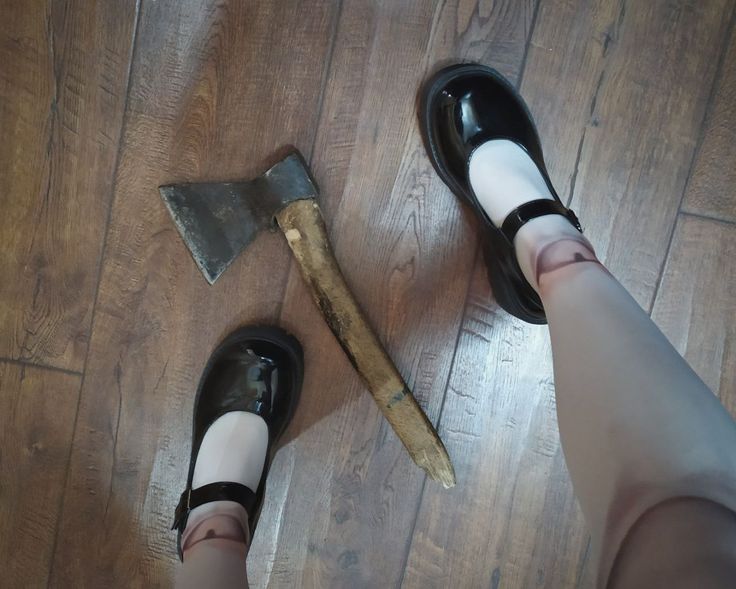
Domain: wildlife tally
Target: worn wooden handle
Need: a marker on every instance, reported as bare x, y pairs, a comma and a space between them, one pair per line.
304, 228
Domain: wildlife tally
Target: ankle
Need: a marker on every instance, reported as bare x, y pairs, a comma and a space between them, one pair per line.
219, 524
547, 244
214, 507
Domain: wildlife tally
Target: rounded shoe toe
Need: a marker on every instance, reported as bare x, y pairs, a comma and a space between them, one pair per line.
465, 106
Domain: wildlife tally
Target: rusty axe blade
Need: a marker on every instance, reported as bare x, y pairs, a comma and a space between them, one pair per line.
218, 220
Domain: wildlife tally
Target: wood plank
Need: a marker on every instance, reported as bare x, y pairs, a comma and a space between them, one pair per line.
695, 306
624, 116
343, 494
217, 87
512, 519
62, 94
712, 187
644, 127
567, 57
37, 409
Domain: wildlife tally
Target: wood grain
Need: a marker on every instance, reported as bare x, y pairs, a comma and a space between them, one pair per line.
62, 94
343, 495
622, 90
568, 55
512, 520
695, 305
217, 88
712, 188
645, 123
37, 408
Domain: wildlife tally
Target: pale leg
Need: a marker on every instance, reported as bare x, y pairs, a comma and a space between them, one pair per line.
638, 426
651, 451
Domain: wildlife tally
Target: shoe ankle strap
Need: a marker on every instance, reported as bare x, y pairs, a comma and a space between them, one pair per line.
192, 498
521, 215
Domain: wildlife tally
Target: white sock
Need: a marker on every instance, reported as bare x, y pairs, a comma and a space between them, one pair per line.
503, 177
233, 450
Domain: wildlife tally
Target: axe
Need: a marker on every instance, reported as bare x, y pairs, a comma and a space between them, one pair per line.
219, 219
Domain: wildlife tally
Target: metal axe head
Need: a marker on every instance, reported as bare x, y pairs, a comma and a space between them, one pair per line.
217, 220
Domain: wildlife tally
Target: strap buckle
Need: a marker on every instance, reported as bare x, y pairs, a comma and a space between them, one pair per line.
573, 218
181, 514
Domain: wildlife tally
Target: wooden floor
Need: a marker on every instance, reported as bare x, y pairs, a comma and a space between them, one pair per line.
106, 323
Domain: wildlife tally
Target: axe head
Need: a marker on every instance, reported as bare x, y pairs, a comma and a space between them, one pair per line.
217, 220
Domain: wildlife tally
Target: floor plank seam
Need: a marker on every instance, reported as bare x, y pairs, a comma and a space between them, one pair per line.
583, 563
325, 79
31, 364
527, 46
442, 407
606, 56
704, 217
696, 150
131, 55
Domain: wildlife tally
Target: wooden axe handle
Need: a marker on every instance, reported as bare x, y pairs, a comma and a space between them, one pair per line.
304, 228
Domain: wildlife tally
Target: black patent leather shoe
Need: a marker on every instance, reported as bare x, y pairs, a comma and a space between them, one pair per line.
255, 369
462, 107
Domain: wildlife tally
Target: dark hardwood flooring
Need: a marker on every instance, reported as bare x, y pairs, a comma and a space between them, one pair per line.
106, 323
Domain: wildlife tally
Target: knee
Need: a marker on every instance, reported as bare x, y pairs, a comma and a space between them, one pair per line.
680, 542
